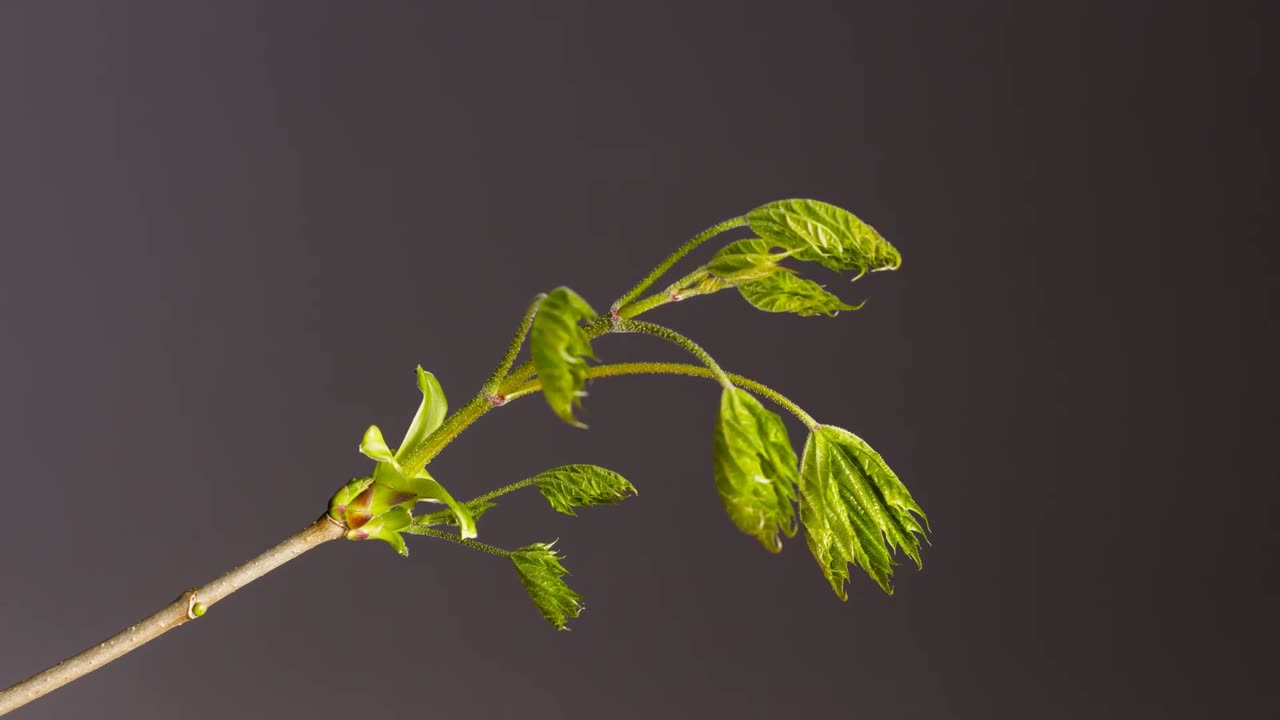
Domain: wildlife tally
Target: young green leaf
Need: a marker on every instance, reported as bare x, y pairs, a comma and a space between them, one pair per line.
784, 292
755, 468
428, 489
430, 413
540, 573
824, 233
573, 486
746, 260
560, 349
372, 445
854, 509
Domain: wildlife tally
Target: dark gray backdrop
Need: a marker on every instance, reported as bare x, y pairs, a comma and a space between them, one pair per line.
229, 231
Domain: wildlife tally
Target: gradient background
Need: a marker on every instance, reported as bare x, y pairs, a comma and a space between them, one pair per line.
228, 233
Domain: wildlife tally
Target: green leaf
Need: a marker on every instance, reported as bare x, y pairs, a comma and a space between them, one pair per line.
430, 413
755, 468
784, 292
560, 348
541, 572
448, 517
373, 446
427, 488
746, 260
573, 486
854, 509
819, 232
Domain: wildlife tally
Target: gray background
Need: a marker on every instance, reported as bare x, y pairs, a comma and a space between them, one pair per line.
229, 231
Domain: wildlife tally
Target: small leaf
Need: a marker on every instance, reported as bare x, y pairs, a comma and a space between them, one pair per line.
541, 572
430, 413
819, 232
755, 468
375, 447
854, 509
573, 486
784, 292
746, 260
427, 488
448, 517
560, 349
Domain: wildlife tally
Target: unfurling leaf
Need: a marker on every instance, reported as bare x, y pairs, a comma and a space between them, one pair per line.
755, 468
573, 486
818, 232
378, 506
430, 413
746, 260
541, 572
426, 488
784, 292
854, 509
373, 446
560, 349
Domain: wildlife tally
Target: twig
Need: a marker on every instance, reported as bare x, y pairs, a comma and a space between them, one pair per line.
189, 606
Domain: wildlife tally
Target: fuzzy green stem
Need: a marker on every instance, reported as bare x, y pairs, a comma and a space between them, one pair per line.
417, 458
500, 373
474, 545
675, 292
653, 368
672, 259
502, 491
594, 329
666, 333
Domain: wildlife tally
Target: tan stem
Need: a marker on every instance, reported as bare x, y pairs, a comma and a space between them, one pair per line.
169, 617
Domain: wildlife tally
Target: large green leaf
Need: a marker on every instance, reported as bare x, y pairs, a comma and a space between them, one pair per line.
746, 260
755, 468
784, 292
560, 349
854, 509
430, 413
541, 572
573, 486
819, 232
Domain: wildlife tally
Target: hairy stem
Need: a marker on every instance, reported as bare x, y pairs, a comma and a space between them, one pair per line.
658, 368
176, 613
500, 373
474, 545
675, 292
417, 458
693, 348
674, 257
519, 485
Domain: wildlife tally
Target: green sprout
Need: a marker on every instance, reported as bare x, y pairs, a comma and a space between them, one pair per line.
853, 510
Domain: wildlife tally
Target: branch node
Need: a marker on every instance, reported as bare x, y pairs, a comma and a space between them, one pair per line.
194, 608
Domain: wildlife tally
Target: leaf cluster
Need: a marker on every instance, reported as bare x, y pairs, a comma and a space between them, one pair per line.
852, 507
